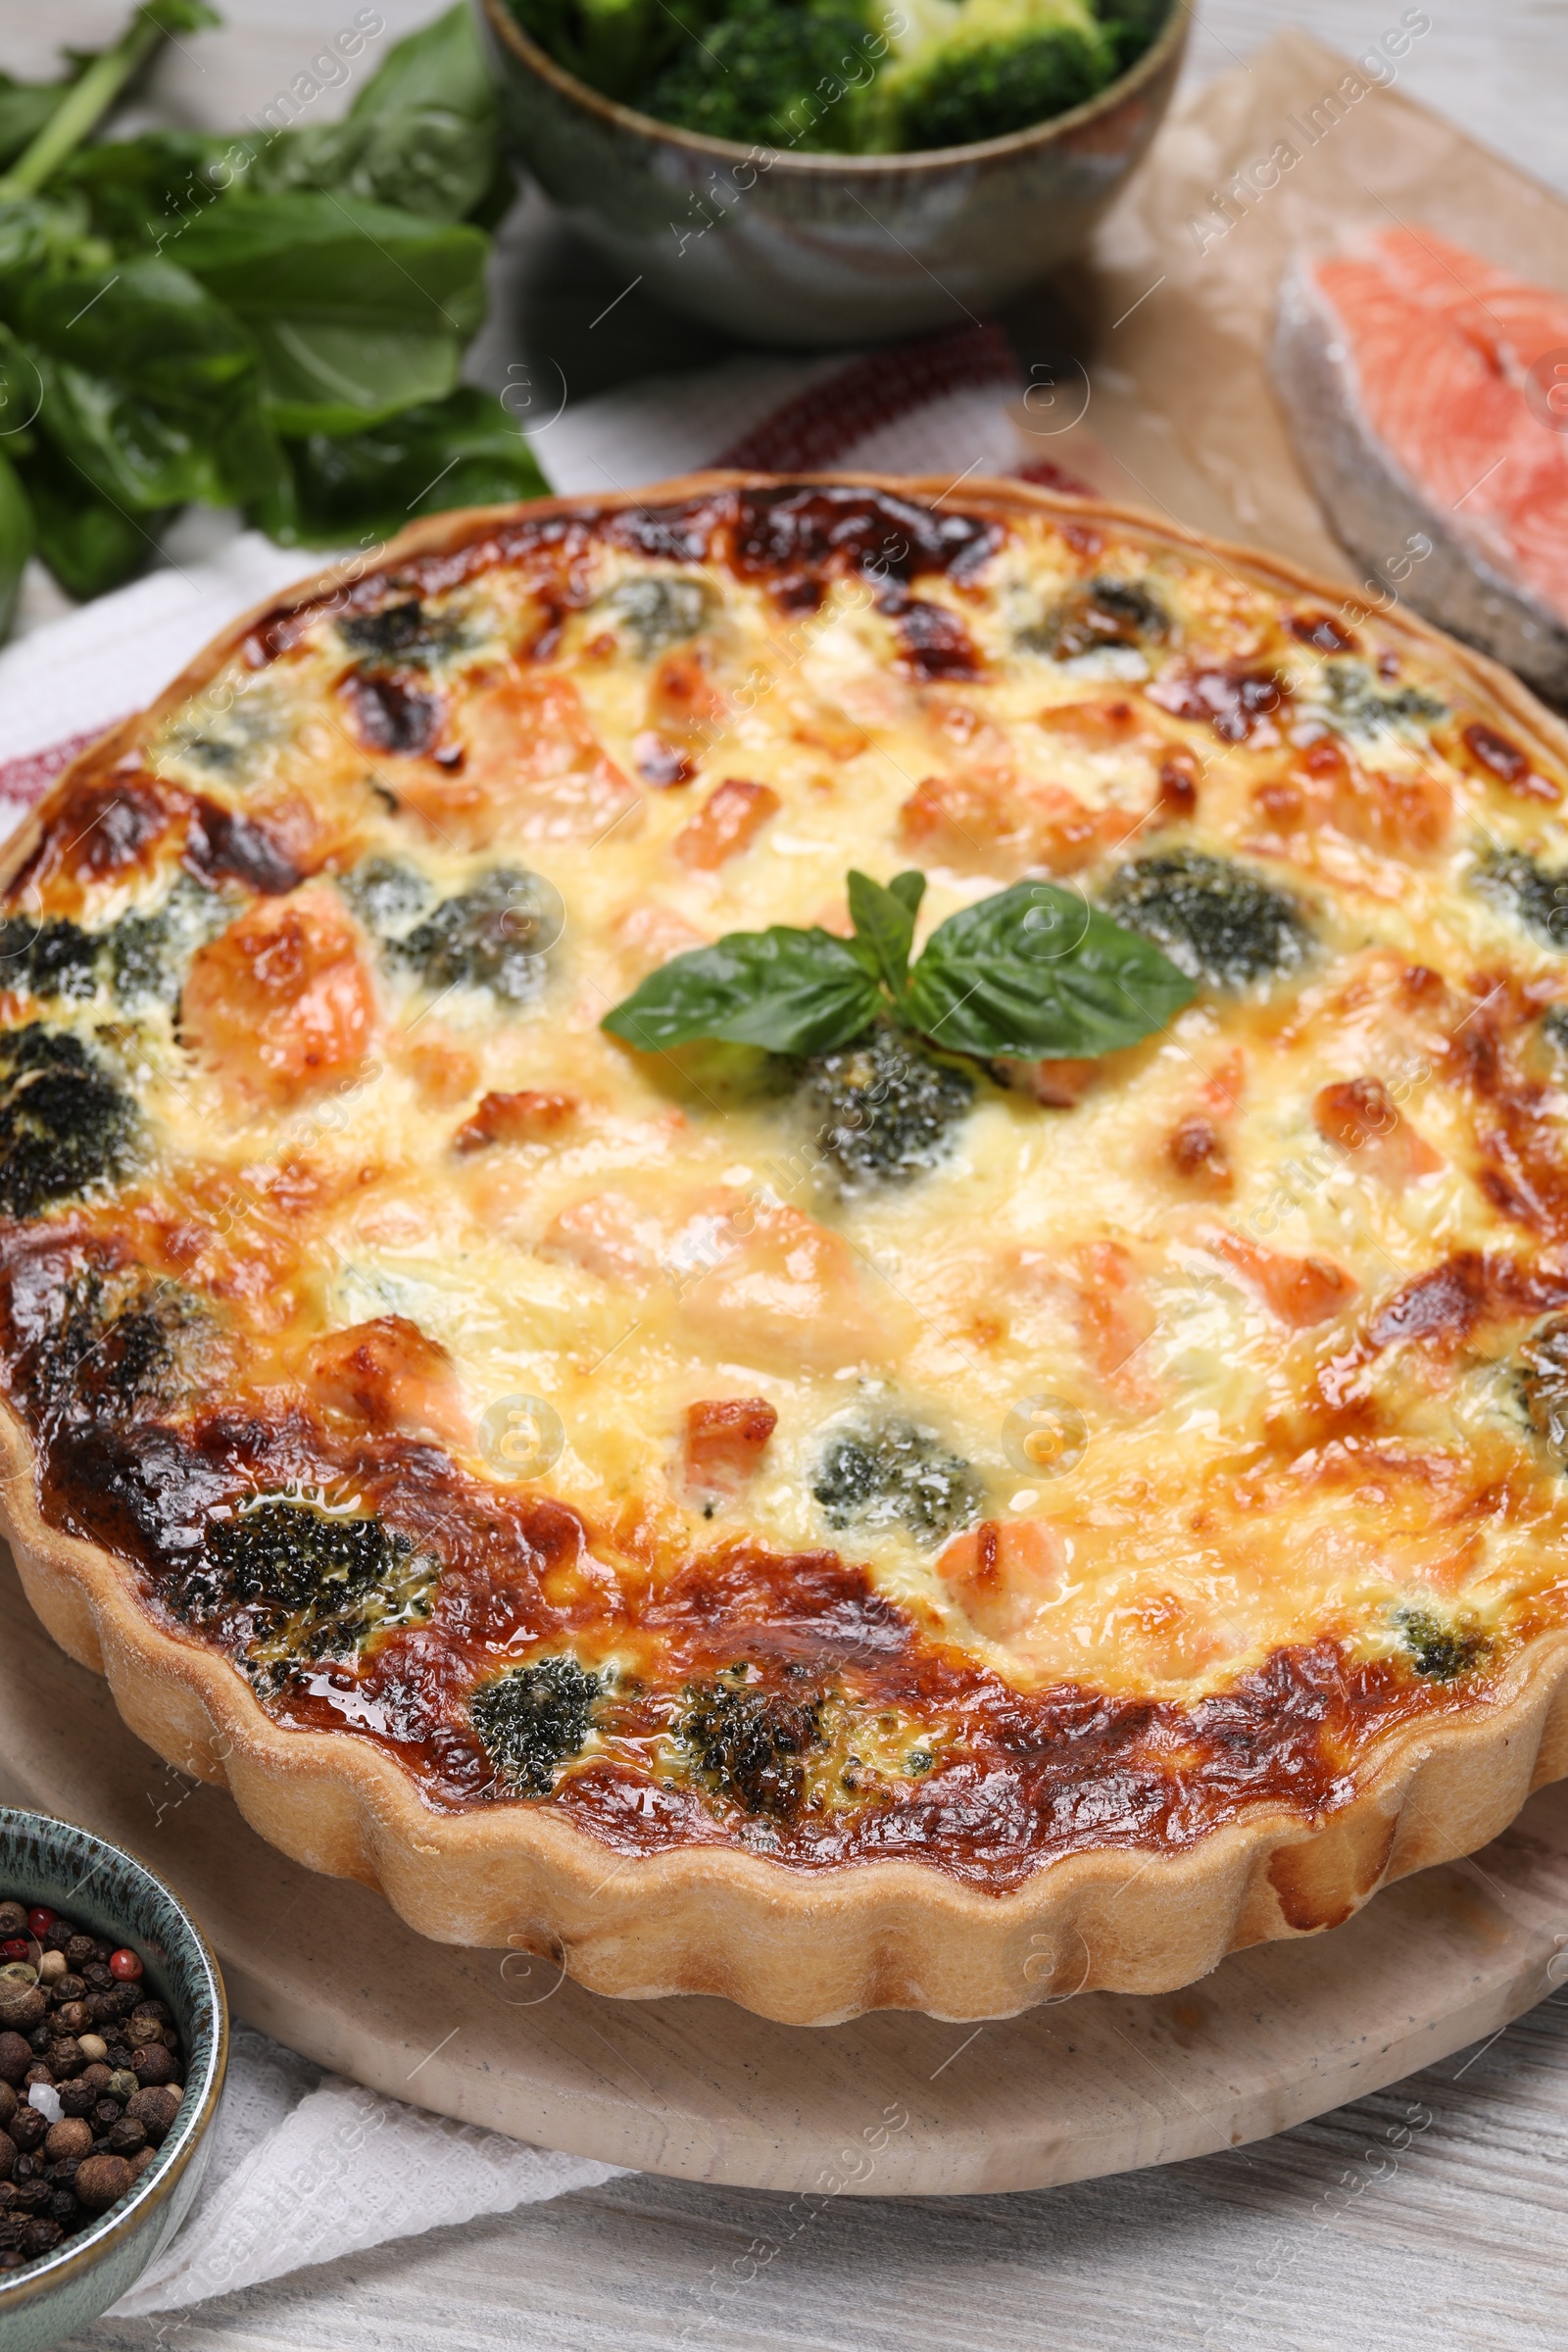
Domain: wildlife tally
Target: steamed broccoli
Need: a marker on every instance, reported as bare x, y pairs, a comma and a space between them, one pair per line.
532, 1719
833, 76
1216, 921
979, 69
1441, 1648
615, 45
305, 1583
766, 76
885, 1108
897, 1475
64, 1124
748, 1741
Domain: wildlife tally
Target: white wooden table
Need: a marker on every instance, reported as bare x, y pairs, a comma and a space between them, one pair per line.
1432, 2215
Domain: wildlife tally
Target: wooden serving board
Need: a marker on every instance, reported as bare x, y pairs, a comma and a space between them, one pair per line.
891, 2104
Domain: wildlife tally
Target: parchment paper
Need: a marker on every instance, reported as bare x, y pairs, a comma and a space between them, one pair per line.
1177, 297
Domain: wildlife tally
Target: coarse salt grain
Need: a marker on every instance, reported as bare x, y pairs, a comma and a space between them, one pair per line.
45, 2097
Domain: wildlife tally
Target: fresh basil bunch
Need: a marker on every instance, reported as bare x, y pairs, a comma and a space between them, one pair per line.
275, 320
1034, 972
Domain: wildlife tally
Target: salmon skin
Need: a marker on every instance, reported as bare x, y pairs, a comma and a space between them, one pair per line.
1404, 369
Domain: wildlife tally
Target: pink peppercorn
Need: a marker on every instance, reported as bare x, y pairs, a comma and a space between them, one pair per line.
41, 1920
126, 1966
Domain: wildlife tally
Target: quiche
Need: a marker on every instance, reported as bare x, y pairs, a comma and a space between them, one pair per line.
809, 1239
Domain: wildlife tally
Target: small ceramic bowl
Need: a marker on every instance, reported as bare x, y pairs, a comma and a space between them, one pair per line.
108, 1893
781, 247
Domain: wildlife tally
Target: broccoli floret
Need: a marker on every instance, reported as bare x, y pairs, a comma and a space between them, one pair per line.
897, 1475
61, 961
493, 936
1215, 921
1131, 26
1543, 1386
1100, 616
143, 956
761, 76
817, 74
149, 954
1359, 705
1531, 894
989, 68
1440, 1649
532, 1719
65, 1125
114, 1345
657, 612
614, 45
223, 735
387, 896
405, 633
748, 1741
285, 1555
309, 1584
885, 1110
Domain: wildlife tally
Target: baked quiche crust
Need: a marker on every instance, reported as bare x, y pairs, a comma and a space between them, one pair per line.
1039, 1528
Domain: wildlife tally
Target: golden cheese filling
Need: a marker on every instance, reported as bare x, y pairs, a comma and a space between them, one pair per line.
881, 1449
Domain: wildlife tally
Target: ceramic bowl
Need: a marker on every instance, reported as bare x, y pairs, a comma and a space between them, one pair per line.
108, 1893
818, 249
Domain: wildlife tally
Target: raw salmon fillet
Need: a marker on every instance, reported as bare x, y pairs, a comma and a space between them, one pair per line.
1403, 368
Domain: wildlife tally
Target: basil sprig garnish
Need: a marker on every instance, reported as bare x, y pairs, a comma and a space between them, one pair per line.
1034, 972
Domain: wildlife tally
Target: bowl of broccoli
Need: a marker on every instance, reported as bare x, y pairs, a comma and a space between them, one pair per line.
818, 171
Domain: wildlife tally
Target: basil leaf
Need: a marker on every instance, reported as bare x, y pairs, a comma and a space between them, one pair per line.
884, 922
792, 992
425, 160
142, 191
89, 545
463, 451
911, 888
357, 310
1037, 971
441, 65
15, 541
146, 323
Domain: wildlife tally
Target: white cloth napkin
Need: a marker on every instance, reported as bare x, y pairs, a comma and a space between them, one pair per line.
306, 2166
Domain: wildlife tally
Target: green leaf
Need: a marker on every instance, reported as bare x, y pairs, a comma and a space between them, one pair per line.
87, 544
463, 451
25, 107
146, 323
792, 992
1037, 971
911, 888
17, 535
441, 65
133, 453
426, 160
884, 922
143, 192
357, 310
